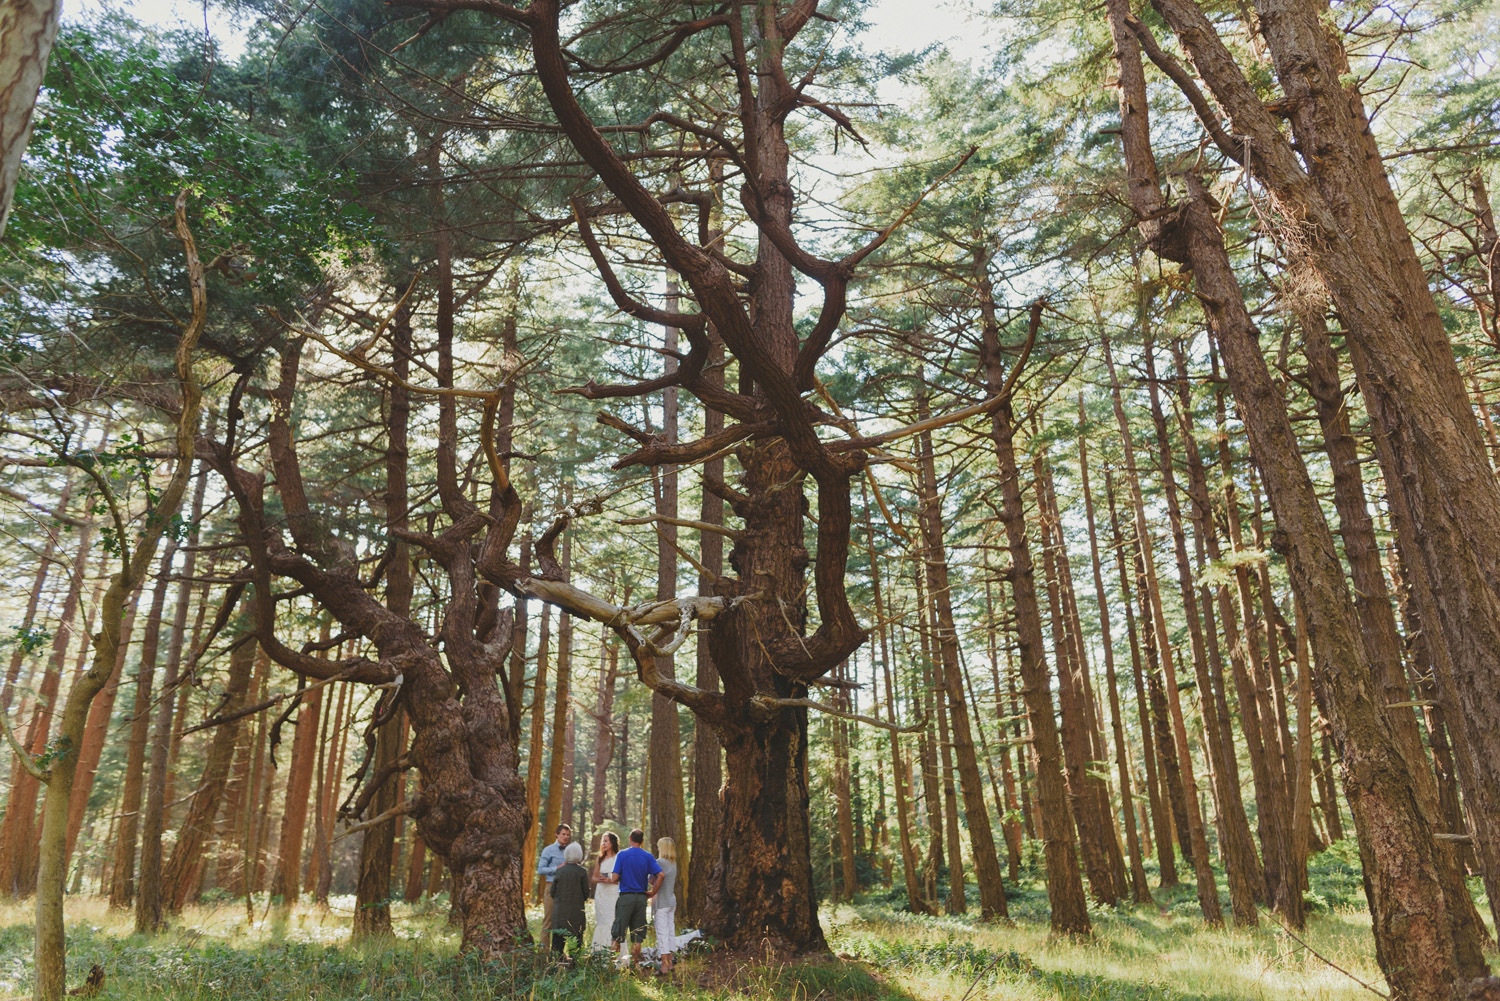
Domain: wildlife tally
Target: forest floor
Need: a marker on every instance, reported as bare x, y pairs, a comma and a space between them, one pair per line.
880, 954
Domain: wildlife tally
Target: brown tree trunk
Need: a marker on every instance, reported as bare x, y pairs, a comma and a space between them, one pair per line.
1159, 813
928, 741
668, 818
1064, 881
1377, 618
1011, 823
326, 743
1093, 828
1429, 446
287, 882
1208, 894
1240, 864
100, 712
1413, 936
848, 884
976, 812
604, 734
377, 848
333, 780
122, 875
179, 877
18, 832
535, 751
1140, 889
149, 918
957, 902
708, 771
915, 897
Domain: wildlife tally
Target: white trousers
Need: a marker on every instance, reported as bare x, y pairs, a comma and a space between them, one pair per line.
666, 930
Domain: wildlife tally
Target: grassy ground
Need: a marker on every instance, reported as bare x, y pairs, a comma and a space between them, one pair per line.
881, 954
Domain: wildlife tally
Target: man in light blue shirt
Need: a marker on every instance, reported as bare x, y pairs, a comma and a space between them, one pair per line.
547, 865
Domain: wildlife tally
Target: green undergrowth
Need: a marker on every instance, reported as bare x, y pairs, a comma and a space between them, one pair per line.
879, 953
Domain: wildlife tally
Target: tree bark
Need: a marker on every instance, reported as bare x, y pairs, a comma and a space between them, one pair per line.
287, 882
1070, 914
1240, 864
992, 904
1140, 889
122, 877
18, 860
1413, 935
1208, 894
27, 31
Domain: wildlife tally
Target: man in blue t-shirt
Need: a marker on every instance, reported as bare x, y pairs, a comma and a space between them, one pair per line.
634, 869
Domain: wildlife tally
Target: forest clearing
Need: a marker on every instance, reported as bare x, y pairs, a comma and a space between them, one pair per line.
782, 499
879, 954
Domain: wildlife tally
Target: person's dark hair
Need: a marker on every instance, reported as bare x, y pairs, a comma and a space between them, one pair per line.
608, 842
637, 837
563, 827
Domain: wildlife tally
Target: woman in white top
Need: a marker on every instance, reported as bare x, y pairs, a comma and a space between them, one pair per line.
606, 892
666, 903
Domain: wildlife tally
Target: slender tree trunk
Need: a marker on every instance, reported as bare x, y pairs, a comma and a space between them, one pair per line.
1159, 811
604, 734
287, 883
1076, 744
1064, 881
708, 772
844, 817
538, 738
18, 834
976, 812
122, 877
179, 875
1208, 894
1239, 854
1140, 889
333, 781
561, 701
149, 917
667, 813
916, 899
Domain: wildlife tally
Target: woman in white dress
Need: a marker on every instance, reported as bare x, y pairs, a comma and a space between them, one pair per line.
606, 892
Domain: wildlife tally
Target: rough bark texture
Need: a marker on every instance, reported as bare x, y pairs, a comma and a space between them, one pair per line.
1140, 889
1070, 913
179, 875
1445, 498
27, 31
1413, 933
122, 878
976, 811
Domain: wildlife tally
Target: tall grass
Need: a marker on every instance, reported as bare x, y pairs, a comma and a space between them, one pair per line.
217, 952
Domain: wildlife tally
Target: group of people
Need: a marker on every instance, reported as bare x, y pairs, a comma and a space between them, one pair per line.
621, 882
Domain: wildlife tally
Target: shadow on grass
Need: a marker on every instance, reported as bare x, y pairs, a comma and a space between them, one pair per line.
185, 966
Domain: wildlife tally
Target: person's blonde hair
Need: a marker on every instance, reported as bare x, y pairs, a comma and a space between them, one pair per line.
666, 848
